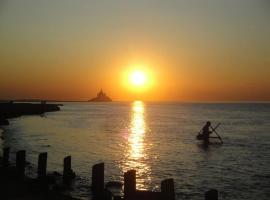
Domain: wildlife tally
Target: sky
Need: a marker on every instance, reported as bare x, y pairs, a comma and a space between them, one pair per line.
192, 50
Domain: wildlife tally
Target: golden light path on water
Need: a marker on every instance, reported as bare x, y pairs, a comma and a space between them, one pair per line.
135, 155
137, 128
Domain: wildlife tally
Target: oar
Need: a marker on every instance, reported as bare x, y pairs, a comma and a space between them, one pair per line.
214, 130
216, 126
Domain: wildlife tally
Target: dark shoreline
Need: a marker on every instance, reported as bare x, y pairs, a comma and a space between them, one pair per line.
11, 110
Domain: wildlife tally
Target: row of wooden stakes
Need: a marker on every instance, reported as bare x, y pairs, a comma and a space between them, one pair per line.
99, 190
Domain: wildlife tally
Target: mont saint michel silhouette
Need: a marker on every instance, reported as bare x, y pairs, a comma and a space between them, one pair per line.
101, 97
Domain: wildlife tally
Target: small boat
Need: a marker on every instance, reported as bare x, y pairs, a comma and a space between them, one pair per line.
199, 137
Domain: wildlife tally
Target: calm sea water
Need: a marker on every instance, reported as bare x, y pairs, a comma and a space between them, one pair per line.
156, 139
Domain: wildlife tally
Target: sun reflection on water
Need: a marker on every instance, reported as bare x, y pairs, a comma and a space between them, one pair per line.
137, 131
136, 156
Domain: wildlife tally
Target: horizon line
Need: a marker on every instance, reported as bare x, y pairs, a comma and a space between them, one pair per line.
150, 101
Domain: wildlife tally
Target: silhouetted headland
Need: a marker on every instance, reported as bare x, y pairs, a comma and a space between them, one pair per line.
101, 97
11, 110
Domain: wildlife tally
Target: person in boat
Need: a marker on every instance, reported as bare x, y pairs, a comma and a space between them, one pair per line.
206, 132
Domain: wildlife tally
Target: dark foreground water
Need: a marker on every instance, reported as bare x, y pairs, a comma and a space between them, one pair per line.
156, 139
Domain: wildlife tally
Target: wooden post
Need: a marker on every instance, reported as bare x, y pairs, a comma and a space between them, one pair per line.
129, 184
68, 173
6, 151
98, 180
42, 165
20, 163
108, 195
211, 195
167, 189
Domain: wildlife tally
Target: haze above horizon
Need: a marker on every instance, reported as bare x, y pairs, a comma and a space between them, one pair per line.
153, 50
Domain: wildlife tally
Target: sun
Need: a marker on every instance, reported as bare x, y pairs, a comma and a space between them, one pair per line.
138, 78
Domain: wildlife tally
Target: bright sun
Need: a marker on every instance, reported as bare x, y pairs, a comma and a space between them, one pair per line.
138, 78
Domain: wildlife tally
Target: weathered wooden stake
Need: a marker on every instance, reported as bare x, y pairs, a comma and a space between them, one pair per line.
6, 151
129, 184
108, 195
20, 163
167, 189
68, 173
67, 168
42, 165
98, 180
117, 198
211, 195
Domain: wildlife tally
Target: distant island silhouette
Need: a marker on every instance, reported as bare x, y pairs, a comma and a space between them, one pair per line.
101, 97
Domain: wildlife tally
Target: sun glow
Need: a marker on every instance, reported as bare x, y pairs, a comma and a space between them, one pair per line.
138, 78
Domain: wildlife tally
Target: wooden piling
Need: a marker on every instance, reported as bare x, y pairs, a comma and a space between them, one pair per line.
20, 163
129, 184
117, 198
42, 165
108, 195
167, 189
211, 195
98, 180
68, 173
6, 151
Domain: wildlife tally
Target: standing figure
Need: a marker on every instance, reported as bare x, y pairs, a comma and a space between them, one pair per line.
206, 132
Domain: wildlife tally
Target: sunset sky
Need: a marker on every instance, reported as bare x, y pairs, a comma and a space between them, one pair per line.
190, 50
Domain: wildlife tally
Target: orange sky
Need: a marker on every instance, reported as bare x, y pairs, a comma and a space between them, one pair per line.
216, 51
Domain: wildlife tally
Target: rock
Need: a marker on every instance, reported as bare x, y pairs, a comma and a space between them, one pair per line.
55, 173
4, 122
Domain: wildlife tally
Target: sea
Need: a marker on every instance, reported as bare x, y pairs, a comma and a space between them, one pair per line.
158, 140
